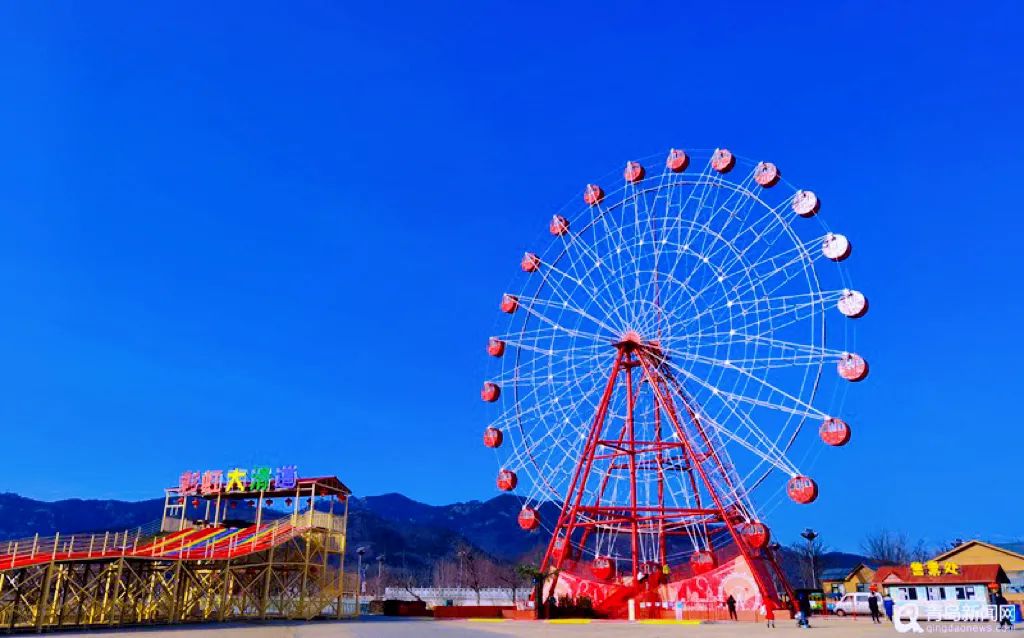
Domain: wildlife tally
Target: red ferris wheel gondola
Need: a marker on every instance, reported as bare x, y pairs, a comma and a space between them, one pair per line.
528, 519
756, 534
561, 548
766, 174
806, 203
602, 567
495, 347
507, 480
836, 247
677, 160
723, 160
634, 172
493, 437
593, 195
852, 304
559, 226
802, 489
703, 561
530, 262
509, 303
852, 367
490, 392
834, 432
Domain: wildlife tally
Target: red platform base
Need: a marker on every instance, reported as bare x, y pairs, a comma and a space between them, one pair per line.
703, 596
472, 611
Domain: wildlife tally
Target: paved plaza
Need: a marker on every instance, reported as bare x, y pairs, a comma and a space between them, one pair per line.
402, 628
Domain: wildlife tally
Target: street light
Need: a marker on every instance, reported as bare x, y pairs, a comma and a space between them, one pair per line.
359, 572
774, 548
462, 560
380, 567
810, 535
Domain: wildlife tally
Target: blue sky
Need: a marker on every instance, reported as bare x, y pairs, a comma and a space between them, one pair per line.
254, 232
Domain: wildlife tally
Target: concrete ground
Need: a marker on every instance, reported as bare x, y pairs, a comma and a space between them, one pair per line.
402, 628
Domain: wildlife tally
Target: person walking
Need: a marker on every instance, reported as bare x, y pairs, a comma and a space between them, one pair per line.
1004, 611
805, 611
876, 616
888, 605
730, 602
769, 616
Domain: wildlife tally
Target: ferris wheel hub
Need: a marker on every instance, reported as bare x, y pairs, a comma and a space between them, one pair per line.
632, 341
629, 341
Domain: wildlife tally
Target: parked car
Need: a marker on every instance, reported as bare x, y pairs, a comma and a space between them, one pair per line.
855, 603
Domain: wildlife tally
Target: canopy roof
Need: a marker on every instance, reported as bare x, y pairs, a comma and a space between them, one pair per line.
318, 486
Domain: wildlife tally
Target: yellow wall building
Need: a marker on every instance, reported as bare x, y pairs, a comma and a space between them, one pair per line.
845, 581
1009, 556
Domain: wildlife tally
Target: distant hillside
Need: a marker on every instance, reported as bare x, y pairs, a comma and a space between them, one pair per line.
411, 535
21, 517
489, 525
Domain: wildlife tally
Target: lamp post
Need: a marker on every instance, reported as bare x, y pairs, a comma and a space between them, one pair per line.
380, 568
810, 535
359, 573
462, 560
774, 548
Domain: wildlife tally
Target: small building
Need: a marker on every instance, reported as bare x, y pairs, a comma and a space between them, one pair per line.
952, 583
837, 581
1009, 556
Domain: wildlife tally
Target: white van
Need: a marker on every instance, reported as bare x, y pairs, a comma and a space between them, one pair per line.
855, 603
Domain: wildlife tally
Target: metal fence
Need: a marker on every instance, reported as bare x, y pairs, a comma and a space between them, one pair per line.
440, 596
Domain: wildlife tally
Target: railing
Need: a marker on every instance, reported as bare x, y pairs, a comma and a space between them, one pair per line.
267, 535
321, 519
149, 540
39, 548
459, 596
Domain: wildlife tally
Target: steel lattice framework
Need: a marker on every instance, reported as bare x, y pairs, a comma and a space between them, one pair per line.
291, 568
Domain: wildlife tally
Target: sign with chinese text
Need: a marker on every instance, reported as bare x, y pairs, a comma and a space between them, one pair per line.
933, 568
258, 479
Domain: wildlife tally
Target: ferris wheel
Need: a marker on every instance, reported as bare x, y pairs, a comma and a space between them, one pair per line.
663, 356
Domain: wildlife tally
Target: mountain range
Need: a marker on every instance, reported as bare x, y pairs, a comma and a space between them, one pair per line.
409, 534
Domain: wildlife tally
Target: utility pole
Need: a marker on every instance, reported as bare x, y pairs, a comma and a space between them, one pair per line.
810, 535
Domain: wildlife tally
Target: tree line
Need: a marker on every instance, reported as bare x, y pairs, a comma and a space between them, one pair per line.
466, 566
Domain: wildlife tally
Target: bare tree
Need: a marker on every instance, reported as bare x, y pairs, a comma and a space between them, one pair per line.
809, 556
475, 568
512, 577
468, 567
893, 548
401, 578
445, 573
